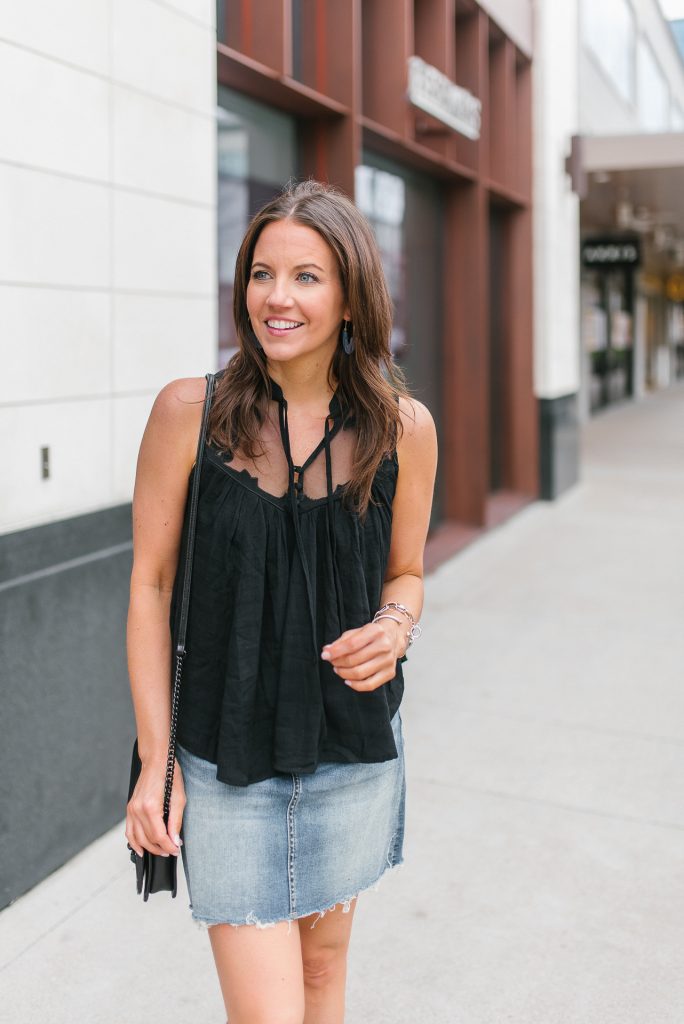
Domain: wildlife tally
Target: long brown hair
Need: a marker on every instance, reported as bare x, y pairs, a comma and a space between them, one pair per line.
243, 391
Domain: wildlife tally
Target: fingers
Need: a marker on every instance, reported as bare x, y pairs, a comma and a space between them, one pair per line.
364, 669
145, 829
364, 658
351, 641
176, 809
371, 682
350, 647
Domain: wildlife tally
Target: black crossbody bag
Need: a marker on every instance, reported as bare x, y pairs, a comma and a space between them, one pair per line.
153, 872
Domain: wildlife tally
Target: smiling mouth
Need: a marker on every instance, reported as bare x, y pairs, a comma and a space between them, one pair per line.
283, 325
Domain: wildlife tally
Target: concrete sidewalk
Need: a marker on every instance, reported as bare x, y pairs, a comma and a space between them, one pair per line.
544, 731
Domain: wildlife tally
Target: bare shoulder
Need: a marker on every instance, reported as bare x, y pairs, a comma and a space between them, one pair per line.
177, 413
180, 398
169, 444
167, 453
419, 434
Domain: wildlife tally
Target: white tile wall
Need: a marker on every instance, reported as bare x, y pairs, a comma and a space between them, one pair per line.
161, 245
556, 211
130, 414
161, 148
163, 54
55, 230
53, 116
203, 11
76, 31
160, 339
57, 341
78, 435
107, 246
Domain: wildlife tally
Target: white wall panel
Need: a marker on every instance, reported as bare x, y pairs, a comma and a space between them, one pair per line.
161, 148
71, 30
158, 339
203, 11
160, 245
108, 240
58, 341
52, 116
556, 210
77, 434
163, 54
515, 18
130, 414
55, 230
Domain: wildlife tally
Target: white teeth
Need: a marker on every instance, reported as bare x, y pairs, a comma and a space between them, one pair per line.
282, 325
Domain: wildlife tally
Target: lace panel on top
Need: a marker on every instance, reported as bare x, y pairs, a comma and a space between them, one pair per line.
270, 471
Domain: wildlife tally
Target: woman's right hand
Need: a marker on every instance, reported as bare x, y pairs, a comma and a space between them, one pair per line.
145, 812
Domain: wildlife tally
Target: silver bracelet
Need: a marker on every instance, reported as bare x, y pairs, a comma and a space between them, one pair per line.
400, 608
416, 629
376, 617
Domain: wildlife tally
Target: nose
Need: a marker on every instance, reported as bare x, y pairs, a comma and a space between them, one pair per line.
279, 295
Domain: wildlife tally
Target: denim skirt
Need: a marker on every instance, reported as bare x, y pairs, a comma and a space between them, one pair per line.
293, 845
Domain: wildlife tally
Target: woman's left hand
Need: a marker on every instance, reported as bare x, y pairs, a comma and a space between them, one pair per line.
366, 657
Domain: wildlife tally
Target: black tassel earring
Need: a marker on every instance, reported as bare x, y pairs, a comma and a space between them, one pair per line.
347, 337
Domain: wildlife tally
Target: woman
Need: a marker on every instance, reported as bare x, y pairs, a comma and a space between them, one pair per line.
315, 497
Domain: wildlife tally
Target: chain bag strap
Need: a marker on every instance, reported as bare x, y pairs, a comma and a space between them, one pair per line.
185, 599
155, 873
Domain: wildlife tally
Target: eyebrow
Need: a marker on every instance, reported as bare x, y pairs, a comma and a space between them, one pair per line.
300, 266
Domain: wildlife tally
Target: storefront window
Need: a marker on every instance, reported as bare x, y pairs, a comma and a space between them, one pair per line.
381, 196
406, 211
257, 155
608, 31
607, 333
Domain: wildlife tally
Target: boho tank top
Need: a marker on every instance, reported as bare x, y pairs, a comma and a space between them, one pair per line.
281, 567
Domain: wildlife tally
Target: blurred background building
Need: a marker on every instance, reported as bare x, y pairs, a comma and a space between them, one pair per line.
521, 163
628, 168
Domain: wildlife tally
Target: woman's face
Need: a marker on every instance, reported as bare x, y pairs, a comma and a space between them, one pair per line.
294, 296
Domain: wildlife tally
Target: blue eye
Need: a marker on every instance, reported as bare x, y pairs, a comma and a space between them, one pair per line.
255, 275
307, 273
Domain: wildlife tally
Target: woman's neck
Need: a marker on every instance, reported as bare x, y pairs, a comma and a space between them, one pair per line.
304, 389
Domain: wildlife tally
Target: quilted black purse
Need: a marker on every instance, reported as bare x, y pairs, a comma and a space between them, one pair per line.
153, 872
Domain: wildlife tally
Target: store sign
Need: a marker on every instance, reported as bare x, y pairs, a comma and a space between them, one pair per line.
611, 252
437, 95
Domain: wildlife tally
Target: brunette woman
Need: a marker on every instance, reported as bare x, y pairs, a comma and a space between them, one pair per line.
315, 493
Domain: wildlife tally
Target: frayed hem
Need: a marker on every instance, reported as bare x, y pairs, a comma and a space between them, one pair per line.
345, 902
204, 925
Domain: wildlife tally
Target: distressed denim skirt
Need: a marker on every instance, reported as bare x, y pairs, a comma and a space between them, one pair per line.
293, 845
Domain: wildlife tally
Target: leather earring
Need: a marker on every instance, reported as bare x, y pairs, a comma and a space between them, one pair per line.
347, 337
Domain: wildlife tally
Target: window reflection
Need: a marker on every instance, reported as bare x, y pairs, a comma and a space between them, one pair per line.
257, 155
381, 197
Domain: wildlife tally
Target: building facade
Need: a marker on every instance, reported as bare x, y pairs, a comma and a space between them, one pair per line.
630, 166
107, 291
420, 110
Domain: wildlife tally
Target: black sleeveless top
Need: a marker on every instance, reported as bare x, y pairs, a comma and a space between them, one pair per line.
281, 568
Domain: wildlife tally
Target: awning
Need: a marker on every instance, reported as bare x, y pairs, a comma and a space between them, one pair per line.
633, 182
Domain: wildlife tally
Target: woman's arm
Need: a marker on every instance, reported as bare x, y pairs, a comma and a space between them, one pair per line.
367, 656
167, 452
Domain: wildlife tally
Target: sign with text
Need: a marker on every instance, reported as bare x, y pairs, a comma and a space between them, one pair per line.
611, 252
437, 95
